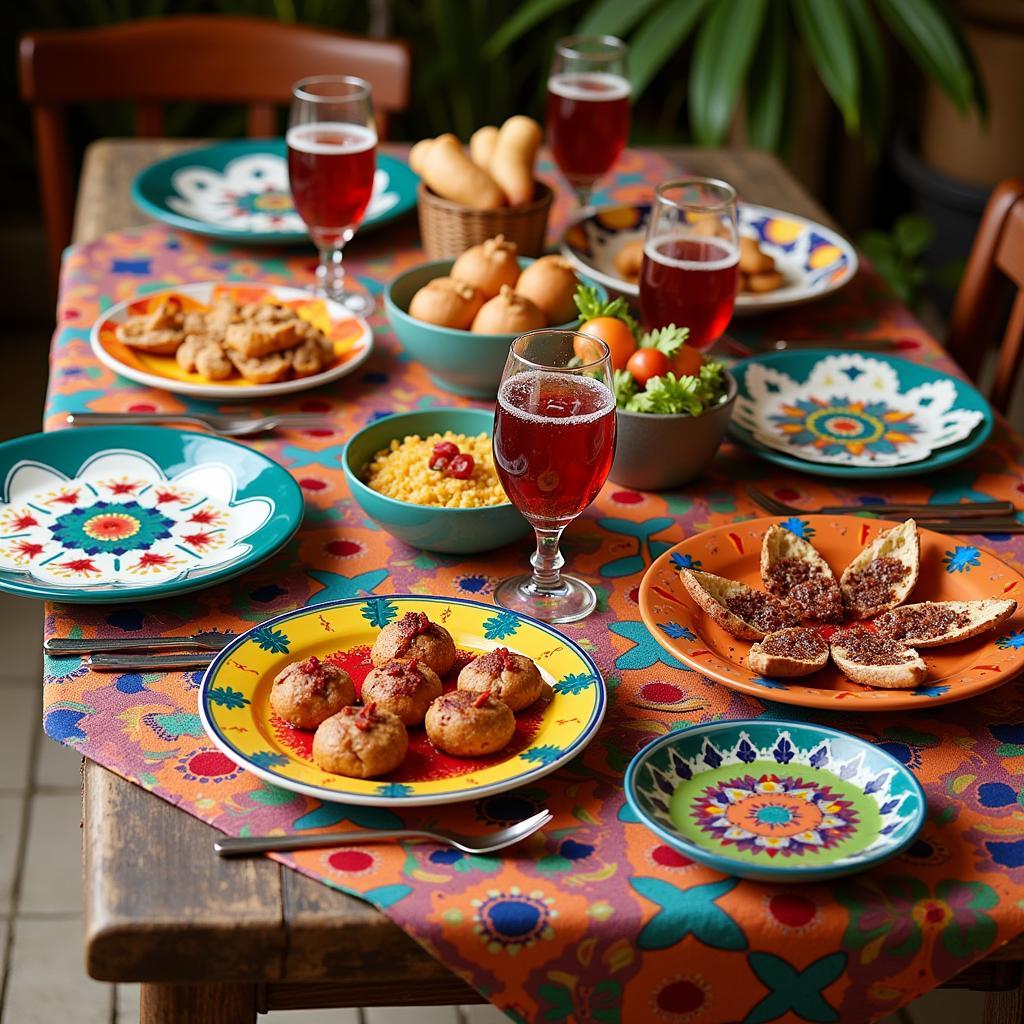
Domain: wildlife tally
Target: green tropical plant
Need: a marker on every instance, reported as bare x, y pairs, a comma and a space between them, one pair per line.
745, 52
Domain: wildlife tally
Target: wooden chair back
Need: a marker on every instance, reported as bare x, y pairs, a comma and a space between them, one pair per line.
995, 268
203, 58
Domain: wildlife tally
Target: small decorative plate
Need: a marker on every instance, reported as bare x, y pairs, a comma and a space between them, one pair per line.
813, 259
950, 571
107, 514
238, 191
235, 708
776, 801
351, 335
851, 410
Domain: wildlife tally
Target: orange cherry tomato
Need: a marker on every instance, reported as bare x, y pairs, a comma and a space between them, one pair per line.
646, 363
687, 362
614, 333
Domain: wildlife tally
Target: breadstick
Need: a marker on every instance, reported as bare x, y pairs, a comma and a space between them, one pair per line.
481, 145
451, 174
418, 154
512, 161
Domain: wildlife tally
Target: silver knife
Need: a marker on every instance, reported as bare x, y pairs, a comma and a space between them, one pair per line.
207, 640
155, 663
853, 344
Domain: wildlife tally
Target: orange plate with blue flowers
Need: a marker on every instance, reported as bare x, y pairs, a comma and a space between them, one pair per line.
950, 571
235, 708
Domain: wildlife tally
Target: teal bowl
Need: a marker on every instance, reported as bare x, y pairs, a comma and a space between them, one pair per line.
450, 531
457, 361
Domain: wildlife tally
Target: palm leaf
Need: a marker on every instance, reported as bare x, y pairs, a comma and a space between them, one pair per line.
613, 17
526, 15
769, 82
875, 84
828, 36
659, 37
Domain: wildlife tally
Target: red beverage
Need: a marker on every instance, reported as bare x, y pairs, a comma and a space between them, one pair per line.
330, 169
554, 441
587, 122
690, 282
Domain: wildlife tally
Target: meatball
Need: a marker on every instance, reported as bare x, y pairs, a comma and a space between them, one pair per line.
360, 742
415, 636
405, 688
469, 724
304, 693
512, 678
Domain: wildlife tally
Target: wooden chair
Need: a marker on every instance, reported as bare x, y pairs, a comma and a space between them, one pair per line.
995, 268
210, 59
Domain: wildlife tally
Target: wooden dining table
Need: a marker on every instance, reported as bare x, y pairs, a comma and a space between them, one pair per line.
215, 941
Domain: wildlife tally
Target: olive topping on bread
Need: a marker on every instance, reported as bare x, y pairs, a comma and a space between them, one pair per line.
789, 652
794, 571
934, 623
884, 573
747, 613
874, 660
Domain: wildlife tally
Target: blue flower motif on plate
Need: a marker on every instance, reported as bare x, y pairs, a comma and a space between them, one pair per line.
226, 697
685, 561
267, 638
379, 611
1012, 641
799, 527
501, 625
574, 683
962, 558
543, 754
677, 632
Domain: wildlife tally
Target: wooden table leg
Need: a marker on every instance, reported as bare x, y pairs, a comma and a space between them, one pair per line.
197, 1004
1004, 1007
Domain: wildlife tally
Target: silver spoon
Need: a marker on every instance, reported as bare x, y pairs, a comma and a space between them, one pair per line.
207, 640
227, 424
241, 847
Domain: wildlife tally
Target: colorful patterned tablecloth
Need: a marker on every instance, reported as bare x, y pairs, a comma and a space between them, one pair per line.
594, 919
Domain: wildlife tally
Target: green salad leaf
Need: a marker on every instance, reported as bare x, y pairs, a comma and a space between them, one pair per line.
668, 339
624, 386
669, 395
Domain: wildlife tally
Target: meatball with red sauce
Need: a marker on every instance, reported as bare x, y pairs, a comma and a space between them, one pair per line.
305, 693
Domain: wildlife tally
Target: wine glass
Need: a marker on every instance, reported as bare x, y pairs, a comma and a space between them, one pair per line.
691, 258
588, 108
332, 158
554, 441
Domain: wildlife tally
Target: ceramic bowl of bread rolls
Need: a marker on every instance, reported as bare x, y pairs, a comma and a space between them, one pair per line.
467, 195
459, 317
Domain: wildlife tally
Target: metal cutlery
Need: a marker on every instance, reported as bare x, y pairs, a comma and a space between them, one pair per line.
974, 510
207, 640
758, 346
484, 844
183, 662
227, 424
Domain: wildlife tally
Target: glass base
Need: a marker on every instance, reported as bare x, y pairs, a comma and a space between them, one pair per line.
571, 601
353, 296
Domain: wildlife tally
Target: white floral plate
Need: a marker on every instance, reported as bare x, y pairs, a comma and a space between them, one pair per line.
851, 410
107, 514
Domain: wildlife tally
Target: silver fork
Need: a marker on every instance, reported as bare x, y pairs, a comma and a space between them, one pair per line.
491, 843
227, 424
951, 510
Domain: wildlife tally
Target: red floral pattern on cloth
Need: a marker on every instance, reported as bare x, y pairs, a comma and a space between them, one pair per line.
595, 919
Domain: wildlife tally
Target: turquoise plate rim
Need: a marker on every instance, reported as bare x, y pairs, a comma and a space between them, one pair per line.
291, 505
227, 748
938, 459
768, 872
145, 189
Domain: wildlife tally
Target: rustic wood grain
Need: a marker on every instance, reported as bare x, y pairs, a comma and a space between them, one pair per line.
197, 1004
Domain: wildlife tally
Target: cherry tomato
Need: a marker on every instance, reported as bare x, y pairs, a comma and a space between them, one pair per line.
439, 463
687, 362
446, 449
614, 333
646, 363
461, 467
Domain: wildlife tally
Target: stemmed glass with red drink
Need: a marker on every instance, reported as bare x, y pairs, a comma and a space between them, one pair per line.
691, 258
332, 158
588, 108
554, 441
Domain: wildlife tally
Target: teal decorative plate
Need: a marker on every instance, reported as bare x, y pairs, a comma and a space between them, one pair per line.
813, 259
238, 191
775, 801
844, 414
108, 514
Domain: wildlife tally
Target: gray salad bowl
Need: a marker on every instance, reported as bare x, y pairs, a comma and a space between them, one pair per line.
656, 453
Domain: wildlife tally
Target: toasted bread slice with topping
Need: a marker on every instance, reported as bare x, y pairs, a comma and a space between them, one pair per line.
935, 623
793, 570
884, 573
789, 652
741, 610
873, 660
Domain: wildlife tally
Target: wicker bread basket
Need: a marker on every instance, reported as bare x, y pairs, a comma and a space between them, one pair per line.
448, 229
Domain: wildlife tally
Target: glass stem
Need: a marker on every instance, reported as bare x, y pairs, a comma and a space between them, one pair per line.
547, 561
583, 195
330, 274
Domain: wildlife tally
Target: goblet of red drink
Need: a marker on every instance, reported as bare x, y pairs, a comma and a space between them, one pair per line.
554, 441
691, 255
588, 108
332, 157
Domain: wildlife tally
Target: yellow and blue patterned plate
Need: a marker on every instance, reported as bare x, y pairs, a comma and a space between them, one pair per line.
235, 709
814, 259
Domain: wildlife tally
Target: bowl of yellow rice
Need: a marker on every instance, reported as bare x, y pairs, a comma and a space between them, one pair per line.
388, 468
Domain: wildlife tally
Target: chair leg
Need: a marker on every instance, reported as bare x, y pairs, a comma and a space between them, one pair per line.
1004, 1007
197, 1004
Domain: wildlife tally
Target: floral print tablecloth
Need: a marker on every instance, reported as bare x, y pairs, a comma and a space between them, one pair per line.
594, 919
